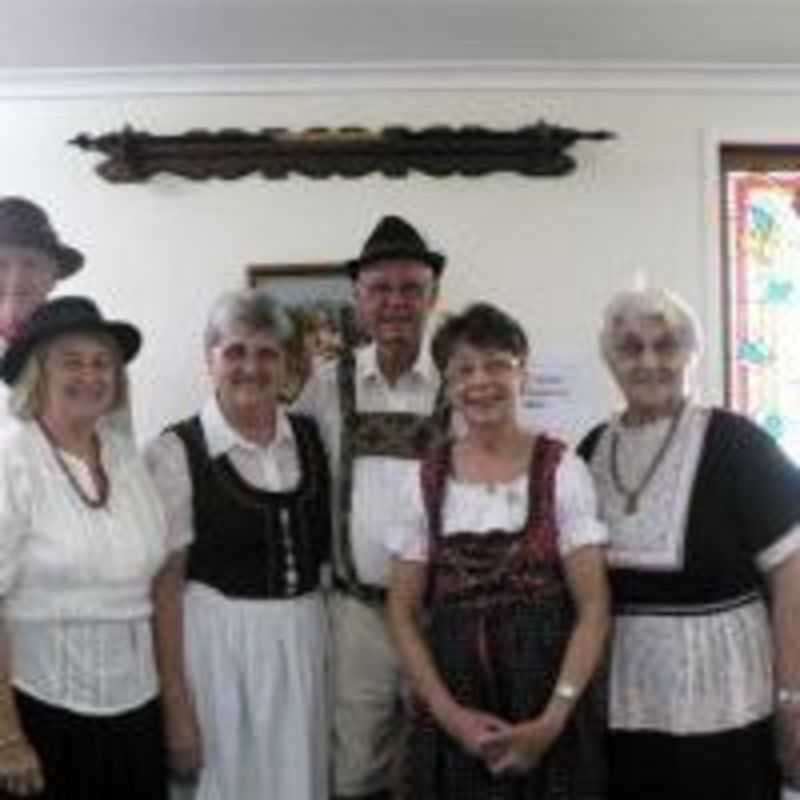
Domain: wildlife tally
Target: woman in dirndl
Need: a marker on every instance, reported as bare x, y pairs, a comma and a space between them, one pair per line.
244, 644
703, 511
499, 601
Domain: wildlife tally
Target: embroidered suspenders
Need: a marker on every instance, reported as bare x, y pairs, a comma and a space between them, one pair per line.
394, 434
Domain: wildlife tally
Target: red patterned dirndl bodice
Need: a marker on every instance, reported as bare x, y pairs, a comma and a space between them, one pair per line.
498, 619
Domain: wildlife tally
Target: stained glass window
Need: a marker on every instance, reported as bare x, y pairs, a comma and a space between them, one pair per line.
763, 285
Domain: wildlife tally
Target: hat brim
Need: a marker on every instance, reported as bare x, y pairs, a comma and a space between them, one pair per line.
126, 336
436, 261
68, 260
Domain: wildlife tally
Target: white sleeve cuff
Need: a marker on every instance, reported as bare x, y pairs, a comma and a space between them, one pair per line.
576, 507
407, 539
777, 553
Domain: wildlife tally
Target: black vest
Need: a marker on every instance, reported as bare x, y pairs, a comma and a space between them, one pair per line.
253, 543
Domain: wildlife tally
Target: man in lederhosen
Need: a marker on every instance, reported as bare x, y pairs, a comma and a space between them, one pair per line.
375, 410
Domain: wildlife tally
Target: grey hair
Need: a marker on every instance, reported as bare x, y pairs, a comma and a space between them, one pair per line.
252, 308
27, 392
640, 304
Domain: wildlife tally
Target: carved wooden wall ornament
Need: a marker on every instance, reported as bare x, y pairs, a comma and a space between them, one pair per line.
537, 150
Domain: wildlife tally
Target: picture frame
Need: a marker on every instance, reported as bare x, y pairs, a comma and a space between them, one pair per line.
318, 299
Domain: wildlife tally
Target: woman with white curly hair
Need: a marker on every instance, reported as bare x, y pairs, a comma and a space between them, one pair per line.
703, 511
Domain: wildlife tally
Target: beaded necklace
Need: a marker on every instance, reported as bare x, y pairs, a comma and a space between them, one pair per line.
103, 489
631, 495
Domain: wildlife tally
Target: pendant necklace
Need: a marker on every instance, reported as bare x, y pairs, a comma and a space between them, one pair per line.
631, 495
100, 473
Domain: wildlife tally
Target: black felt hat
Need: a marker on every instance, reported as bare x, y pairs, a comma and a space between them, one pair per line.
61, 316
394, 238
24, 224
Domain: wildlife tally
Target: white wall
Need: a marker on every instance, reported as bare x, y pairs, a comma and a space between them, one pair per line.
549, 250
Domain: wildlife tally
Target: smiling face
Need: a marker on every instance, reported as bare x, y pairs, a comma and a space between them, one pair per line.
650, 363
26, 278
246, 366
81, 377
484, 384
393, 301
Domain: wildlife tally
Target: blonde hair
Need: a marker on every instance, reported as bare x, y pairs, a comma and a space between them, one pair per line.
27, 392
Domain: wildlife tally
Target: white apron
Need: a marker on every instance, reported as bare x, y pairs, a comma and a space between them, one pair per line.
258, 672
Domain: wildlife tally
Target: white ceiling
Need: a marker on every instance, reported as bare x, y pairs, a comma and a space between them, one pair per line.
91, 34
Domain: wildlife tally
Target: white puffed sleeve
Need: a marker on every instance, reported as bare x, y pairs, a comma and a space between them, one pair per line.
16, 500
576, 507
166, 459
407, 538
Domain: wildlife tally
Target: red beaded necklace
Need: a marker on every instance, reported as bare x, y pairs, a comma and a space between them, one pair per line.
102, 478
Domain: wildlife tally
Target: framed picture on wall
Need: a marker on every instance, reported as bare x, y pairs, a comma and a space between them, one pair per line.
318, 299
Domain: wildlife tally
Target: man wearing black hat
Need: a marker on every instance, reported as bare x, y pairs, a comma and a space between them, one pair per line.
375, 410
32, 260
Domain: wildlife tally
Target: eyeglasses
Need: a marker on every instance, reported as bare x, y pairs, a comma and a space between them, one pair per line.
633, 347
410, 291
493, 367
21, 276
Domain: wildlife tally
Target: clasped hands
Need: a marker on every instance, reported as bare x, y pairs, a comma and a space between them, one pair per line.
505, 747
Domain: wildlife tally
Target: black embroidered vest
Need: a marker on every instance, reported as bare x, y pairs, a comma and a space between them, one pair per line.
253, 543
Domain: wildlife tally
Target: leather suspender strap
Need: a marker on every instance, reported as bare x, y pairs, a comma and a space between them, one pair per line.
399, 435
343, 545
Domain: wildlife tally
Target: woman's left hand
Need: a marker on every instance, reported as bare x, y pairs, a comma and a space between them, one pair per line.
520, 747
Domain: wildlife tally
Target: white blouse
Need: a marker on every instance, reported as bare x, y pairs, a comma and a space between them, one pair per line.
76, 581
481, 508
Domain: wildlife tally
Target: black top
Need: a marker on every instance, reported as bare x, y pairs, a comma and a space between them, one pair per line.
745, 497
250, 542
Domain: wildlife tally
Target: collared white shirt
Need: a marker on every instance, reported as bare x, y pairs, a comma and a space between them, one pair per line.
274, 467
76, 581
376, 500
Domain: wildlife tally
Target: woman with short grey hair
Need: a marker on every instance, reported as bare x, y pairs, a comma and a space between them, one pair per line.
245, 653
250, 309
703, 511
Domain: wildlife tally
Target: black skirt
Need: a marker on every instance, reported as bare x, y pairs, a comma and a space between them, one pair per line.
735, 765
119, 756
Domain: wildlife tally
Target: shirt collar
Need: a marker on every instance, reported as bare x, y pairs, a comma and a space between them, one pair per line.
423, 368
222, 437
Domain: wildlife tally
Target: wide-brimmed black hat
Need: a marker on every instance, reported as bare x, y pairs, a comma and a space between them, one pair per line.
394, 238
24, 224
61, 316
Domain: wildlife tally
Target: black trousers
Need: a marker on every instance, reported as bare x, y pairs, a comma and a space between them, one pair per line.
115, 757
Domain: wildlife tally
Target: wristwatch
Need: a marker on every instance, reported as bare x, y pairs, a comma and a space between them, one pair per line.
787, 697
565, 691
